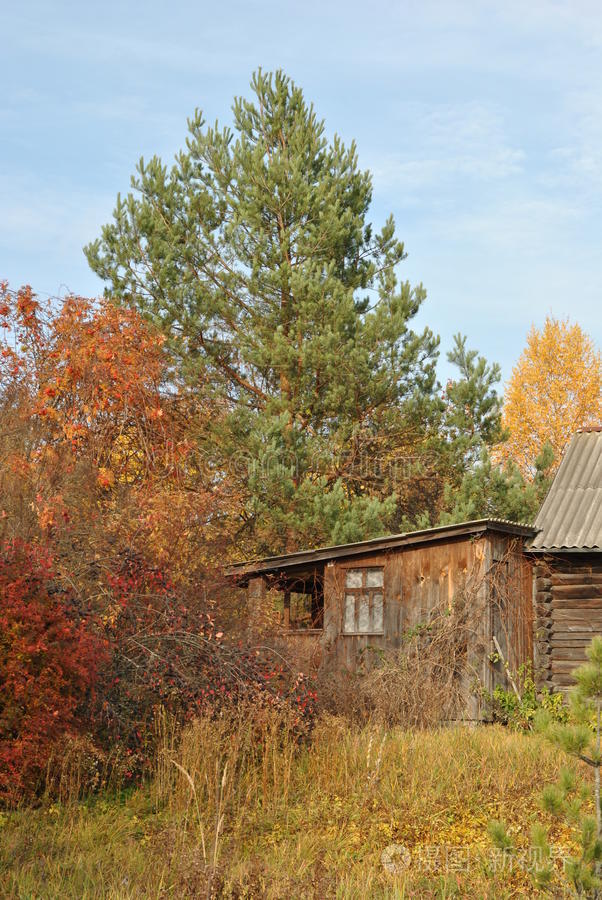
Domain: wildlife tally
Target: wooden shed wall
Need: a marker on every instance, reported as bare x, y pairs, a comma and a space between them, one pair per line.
416, 580
491, 571
512, 619
568, 608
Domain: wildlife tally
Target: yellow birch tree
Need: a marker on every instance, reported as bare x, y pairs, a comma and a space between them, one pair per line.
555, 388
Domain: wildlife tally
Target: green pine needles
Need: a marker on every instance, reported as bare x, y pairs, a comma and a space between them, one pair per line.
569, 799
255, 255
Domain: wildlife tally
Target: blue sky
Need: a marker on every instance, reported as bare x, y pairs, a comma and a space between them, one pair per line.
481, 123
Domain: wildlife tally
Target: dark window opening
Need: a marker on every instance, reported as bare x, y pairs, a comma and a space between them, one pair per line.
303, 603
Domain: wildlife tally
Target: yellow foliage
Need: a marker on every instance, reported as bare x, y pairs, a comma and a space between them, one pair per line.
555, 389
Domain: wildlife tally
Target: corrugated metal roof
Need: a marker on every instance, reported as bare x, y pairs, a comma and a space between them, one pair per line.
378, 545
571, 515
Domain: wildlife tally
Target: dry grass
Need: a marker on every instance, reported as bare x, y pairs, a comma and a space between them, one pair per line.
239, 809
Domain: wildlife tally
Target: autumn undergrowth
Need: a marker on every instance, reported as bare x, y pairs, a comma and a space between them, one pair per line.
245, 806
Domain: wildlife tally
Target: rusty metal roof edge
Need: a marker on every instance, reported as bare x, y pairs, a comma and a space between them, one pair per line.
336, 551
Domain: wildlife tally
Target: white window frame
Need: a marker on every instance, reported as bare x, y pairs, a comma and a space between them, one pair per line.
364, 592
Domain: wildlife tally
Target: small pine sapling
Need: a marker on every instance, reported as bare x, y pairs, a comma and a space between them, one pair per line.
580, 738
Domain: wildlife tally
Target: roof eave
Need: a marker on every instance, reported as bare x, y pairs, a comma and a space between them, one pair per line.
303, 558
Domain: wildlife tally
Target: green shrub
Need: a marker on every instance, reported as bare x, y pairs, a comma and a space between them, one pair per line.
521, 711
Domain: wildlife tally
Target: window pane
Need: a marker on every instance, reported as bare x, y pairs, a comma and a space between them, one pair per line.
349, 616
363, 619
353, 578
377, 612
374, 578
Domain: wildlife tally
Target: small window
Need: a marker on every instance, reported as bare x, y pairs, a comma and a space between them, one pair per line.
363, 608
306, 610
302, 609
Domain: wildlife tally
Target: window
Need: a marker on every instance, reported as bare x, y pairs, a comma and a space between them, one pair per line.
300, 602
363, 610
306, 610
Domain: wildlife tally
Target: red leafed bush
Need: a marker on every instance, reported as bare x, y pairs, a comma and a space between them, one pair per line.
48, 663
165, 655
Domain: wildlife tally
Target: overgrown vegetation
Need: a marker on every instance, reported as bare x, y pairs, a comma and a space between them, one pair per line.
425, 682
579, 736
251, 382
520, 708
240, 807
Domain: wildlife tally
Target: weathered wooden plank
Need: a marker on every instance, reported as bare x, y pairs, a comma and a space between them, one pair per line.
562, 604
576, 591
568, 578
568, 628
583, 637
562, 654
594, 603
584, 569
569, 633
587, 599
562, 682
563, 613
574, 627
570, 642
563, 666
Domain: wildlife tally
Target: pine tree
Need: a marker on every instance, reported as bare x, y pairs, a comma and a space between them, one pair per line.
473, 410
581, 738
479, 483
496, 489
254, 255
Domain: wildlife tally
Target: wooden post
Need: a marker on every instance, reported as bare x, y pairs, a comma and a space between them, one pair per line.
287, 609
256, 592
317, 602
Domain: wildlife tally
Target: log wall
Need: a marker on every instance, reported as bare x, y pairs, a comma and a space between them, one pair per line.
568, 613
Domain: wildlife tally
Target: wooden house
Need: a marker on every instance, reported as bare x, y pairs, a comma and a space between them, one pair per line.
535, 592
567, 555
339, 604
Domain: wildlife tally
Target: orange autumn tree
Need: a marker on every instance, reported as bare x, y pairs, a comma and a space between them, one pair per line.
555, 388
101, 446
116, 515
107, 476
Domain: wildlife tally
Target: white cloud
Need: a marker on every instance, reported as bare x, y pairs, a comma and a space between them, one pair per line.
522, 224
445, 142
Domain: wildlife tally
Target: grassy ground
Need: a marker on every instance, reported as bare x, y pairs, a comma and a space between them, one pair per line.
246, 813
